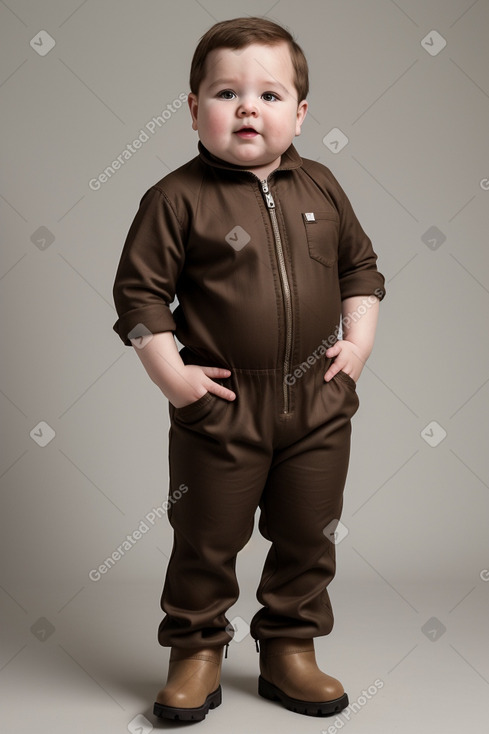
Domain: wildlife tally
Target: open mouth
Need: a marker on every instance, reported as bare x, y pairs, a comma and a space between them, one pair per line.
246, 132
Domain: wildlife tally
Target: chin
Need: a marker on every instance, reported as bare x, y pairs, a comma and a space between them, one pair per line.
247, 154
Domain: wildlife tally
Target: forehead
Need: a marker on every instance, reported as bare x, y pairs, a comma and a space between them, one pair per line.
255, 62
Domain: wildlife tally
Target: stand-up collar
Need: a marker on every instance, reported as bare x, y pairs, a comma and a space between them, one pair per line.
289, 160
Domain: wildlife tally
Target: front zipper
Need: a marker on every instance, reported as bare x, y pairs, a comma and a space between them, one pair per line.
285, 288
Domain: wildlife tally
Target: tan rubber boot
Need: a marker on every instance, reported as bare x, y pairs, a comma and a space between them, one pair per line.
192, 686
289, 674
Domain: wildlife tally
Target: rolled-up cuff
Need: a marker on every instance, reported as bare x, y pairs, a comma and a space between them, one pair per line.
144, 321
362, 284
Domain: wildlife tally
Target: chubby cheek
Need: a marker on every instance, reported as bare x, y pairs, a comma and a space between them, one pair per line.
217, 121
282, 131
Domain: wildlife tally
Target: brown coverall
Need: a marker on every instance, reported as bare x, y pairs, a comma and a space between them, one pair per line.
259, 269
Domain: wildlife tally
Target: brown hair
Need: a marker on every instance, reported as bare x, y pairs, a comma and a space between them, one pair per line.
240, 32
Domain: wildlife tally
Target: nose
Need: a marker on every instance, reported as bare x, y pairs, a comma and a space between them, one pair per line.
247, 108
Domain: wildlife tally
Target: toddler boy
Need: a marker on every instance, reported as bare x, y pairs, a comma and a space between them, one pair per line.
266, 256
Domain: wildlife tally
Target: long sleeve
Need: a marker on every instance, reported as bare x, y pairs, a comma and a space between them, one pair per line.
357, 260
151, 261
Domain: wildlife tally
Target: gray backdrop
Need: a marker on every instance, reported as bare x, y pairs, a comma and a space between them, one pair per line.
84, 430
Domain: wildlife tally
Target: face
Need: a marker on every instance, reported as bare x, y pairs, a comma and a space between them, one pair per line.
246, 111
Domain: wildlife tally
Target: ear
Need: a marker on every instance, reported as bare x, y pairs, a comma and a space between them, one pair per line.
301, 113
193, 106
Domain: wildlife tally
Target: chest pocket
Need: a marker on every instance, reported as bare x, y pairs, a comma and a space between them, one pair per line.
322, 231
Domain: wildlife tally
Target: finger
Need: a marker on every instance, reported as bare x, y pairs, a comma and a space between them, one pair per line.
334, 350
216, 372
333, 370
214, 387
220, 390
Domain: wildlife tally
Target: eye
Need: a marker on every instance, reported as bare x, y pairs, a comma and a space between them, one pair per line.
269, 97
226, 94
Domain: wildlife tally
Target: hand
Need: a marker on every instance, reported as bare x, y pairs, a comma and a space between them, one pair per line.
348, 358
196, 381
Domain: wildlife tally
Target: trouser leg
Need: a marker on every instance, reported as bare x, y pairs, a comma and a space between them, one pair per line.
302, 496
211, 521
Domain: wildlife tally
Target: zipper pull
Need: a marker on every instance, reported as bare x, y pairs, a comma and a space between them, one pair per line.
268, 197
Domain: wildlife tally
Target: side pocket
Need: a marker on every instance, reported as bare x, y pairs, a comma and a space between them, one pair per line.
322, 232
346, 378
195, 410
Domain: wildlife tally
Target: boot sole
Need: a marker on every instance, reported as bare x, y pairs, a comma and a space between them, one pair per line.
309, 708
192, 714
